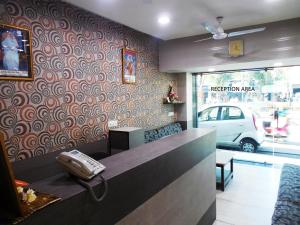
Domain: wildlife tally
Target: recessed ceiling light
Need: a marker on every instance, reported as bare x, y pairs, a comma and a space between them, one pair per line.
287, 38
282, 49
217, 48
163, 20
278, 64
211, 69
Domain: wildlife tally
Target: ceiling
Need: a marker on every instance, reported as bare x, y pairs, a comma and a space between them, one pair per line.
186, 15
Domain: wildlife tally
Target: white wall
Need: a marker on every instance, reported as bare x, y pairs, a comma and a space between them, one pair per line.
279, 42
184, 91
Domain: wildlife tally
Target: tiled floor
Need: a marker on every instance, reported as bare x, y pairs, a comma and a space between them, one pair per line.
250, 197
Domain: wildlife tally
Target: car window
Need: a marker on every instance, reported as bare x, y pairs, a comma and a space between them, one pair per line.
231, 113
210, 114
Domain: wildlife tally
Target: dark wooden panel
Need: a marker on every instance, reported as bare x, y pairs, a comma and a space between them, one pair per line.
41, 167
126, 139
136, 138
119, 140
10, 204
210, 215
133, 177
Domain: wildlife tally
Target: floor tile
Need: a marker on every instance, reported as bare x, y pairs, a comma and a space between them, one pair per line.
250, 197
218, 222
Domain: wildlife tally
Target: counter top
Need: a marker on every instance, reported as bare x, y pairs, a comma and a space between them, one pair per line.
126, 129
130, 176
63, 186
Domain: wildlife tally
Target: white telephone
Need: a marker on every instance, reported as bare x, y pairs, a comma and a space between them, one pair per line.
79, 164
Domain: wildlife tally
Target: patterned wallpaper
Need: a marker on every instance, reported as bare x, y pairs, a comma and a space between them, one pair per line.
78, 84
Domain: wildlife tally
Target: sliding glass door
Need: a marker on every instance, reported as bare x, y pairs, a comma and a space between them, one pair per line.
272, 95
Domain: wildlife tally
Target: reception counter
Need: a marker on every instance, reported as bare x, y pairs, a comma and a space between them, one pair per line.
169, 181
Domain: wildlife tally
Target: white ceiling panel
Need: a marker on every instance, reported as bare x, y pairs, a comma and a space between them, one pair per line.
186, 15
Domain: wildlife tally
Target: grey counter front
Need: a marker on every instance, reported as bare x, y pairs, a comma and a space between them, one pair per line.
169, 181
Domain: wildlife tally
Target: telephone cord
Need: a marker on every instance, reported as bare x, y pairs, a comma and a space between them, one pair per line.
91, 191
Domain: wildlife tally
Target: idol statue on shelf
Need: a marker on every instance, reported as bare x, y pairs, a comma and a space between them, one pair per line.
172, 97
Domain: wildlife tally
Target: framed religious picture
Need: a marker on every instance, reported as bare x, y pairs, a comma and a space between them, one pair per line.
236, 48
15, 53
129, 63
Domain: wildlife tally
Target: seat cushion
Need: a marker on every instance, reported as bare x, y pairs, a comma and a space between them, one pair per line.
289, 188
151, 135
162, 132
168, 130
155, 134
286, 213
177, 128
289, 170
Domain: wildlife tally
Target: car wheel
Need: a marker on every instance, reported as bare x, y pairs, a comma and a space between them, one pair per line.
248, 145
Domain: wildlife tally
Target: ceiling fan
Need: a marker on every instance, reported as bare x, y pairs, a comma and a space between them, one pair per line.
219, 34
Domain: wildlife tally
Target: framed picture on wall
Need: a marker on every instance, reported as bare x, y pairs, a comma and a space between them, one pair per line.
129, 63
15, 53
236, 48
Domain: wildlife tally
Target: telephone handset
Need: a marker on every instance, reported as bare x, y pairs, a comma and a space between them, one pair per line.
83, 167
79, 164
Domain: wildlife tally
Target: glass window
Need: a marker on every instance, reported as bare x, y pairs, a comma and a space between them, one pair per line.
210, 114
231, 113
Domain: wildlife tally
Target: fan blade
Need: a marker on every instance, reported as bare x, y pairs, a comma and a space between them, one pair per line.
243, 32
204, 39
210, 28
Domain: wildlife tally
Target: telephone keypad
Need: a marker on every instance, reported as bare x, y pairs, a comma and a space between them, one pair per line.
93, 164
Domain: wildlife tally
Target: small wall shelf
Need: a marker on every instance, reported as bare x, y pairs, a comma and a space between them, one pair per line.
173, 103
165, 101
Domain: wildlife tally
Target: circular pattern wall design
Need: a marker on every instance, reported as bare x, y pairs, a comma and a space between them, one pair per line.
78, 84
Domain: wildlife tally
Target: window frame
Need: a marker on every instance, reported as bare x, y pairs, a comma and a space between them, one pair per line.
242, 113
212, 107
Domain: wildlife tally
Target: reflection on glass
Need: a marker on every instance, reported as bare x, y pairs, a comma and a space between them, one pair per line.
272, 95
